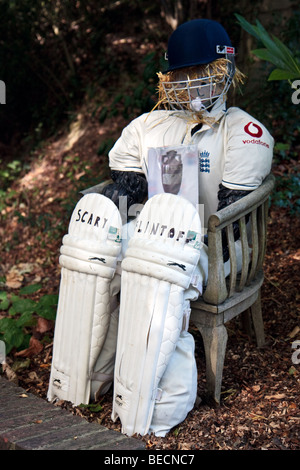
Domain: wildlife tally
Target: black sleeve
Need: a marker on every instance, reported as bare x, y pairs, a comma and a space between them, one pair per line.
127, 183
226, 197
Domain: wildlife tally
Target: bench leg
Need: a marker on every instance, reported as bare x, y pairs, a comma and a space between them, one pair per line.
215, 341
258, 323
246, 321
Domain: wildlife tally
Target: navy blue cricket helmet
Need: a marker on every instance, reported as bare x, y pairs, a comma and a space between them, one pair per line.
197, 42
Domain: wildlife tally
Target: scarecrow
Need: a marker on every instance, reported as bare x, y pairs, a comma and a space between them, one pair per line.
125, 294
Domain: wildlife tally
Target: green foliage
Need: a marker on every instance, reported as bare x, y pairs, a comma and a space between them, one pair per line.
93, 407
21, 315
287, 193
53, 53
273, 105
8, 172
137, 98
105, 146
275, 52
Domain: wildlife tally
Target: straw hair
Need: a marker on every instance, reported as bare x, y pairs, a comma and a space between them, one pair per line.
219, 69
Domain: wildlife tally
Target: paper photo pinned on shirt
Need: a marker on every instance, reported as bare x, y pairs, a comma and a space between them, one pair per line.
175, 170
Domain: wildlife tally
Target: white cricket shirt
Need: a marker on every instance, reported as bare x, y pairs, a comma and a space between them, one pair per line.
236, 150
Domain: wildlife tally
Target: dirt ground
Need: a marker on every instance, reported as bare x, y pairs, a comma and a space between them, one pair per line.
260, 390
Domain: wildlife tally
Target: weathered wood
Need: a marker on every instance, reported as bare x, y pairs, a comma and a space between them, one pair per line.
241, 208
98, 188
216, 290
254, 243
215, 341
245, 253
224, 299
258, 324
230, 303
233, 262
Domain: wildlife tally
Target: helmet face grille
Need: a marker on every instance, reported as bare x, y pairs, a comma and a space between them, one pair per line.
196, 94
197, 89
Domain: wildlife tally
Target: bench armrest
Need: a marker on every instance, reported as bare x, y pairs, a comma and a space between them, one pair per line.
254, 204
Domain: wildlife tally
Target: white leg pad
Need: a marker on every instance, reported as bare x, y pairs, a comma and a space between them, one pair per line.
157, 269
178, 387
88, 259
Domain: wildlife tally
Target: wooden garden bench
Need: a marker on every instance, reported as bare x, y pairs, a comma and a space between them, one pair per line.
225, 298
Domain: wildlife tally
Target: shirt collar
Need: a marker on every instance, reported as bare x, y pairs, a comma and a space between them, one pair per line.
215, 114
218, 110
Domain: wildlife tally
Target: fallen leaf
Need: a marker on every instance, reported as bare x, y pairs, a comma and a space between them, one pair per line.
294, 332
25, 268
33, 376
278, 396
14, 279
293, 371
184, 446
293, 406
10, 374
43, 325
150, 444
255, 416
35, 347
21, 364
15, 275
274, 425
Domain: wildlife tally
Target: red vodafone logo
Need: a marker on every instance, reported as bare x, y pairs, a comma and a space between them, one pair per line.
253, 129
